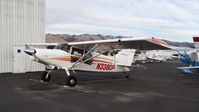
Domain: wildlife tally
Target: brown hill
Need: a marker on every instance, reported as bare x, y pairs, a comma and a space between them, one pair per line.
60, 38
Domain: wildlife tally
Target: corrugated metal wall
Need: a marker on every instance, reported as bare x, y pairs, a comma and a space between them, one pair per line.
21, 21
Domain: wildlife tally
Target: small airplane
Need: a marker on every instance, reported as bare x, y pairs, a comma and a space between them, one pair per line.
159, 55
155, 57
191, 59
139, 57
112, 55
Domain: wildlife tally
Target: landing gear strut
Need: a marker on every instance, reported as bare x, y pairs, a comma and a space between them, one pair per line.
46, 76
71, 80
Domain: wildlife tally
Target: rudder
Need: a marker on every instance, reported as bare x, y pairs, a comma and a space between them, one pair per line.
125, 57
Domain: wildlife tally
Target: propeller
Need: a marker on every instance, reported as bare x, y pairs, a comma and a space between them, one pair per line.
28, 50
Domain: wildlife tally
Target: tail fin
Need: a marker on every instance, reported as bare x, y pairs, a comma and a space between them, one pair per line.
196, 42
125, 57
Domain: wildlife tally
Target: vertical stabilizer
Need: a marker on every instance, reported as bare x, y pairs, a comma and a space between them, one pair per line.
125, 57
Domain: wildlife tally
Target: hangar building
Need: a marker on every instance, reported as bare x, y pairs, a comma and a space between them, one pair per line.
21, 21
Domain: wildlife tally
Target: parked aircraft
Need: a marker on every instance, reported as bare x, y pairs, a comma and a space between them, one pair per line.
93, 56
158, 55
190, 57
140, 57
158, 58
153, 56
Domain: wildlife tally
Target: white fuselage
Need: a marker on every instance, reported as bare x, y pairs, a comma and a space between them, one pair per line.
62, 59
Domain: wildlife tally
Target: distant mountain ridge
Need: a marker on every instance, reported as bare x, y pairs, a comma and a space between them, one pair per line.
180, 44
61, 38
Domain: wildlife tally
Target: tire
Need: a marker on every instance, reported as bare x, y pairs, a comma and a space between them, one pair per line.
127, 76
71, 81
44, 78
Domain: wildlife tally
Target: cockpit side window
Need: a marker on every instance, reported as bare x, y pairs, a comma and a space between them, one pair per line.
111, 53
63, 47
76, 51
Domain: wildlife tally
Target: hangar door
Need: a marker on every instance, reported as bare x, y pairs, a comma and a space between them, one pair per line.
19, 60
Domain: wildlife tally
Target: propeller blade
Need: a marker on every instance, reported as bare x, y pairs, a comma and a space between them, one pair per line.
30, 51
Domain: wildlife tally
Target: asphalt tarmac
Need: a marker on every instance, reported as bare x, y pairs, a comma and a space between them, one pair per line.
156, 88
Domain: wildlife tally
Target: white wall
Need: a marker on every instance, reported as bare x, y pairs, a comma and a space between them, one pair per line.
21, 21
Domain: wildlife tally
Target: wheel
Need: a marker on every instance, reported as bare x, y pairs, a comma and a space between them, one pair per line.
127, 76
46, 77
71, 81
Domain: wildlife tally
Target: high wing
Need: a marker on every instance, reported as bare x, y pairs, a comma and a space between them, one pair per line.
142, 43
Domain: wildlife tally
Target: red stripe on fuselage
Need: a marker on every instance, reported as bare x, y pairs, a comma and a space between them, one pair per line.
63, 59
69, 59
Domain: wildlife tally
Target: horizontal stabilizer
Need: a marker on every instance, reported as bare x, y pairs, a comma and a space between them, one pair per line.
191, 67
186, 70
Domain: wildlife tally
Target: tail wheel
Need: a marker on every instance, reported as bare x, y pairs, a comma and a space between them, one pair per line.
71, 81
127, 76
46, 77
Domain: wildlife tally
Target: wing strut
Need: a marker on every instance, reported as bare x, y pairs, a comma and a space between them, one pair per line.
94, 47
88, 58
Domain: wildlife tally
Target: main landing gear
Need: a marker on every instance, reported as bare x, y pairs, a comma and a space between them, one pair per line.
46, 76
71, 80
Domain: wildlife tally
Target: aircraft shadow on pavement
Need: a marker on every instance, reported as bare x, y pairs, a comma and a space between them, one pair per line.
58, 80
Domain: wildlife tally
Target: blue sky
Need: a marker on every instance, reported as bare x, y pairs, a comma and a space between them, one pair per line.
176, 20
